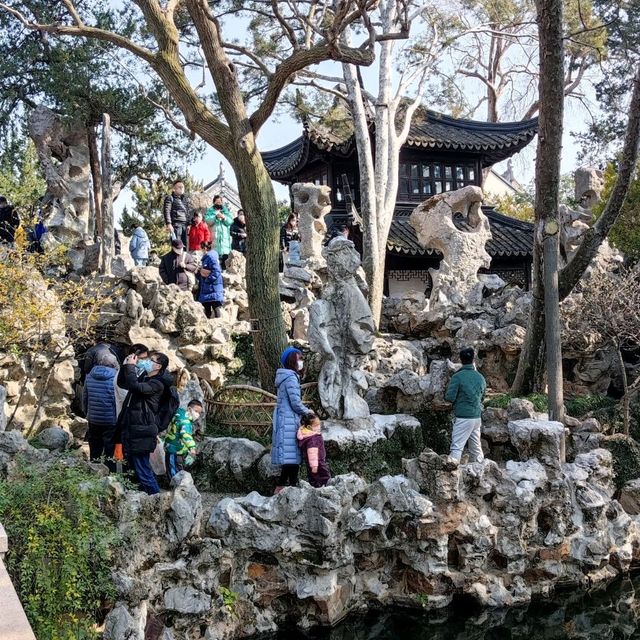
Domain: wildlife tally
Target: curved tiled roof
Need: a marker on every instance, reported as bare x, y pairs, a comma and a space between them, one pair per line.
495, 141
511, 237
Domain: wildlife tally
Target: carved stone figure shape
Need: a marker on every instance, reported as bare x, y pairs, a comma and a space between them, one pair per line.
453, 224
574, 223
311, 202
589, 183
341, 329
64, 156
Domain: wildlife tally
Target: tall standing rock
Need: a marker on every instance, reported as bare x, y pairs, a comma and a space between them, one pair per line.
453, 224
64, 157
341, 329
311, 202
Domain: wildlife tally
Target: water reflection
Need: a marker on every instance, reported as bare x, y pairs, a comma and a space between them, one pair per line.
613, 614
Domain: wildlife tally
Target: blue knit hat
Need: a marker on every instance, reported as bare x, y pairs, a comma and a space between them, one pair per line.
286, 353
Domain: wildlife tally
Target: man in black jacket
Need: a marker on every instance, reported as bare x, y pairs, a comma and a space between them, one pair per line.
176, 212
175, 265
140, 410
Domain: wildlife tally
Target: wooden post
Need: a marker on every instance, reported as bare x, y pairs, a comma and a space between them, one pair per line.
96, 180
106, 252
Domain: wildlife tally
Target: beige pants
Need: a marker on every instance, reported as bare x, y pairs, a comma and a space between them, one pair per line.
466, 430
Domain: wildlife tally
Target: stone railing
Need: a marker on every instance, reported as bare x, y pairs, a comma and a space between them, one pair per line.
13, 621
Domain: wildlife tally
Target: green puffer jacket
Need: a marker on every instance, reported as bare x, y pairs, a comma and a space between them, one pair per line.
179, 438
466, 391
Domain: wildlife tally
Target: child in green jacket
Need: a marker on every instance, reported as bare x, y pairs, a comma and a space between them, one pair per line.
179, 445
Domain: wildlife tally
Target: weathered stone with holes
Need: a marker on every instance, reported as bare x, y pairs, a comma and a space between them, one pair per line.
311, 202
462, 245
341, 330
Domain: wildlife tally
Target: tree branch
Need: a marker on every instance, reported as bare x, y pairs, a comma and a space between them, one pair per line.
296, 62
82, 31
593, 237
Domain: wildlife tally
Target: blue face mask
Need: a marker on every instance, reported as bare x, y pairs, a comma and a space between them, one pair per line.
144, 366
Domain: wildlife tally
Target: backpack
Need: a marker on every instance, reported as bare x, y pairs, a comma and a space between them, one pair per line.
169, 404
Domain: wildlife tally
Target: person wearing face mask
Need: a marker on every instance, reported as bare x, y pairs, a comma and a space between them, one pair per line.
286, 418
220, 219
179, 445
138, 419
176, 212
177, 265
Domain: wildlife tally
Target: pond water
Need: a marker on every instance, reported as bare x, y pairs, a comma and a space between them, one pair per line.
603, 614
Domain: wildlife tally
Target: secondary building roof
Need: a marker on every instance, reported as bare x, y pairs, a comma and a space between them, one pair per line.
493, 141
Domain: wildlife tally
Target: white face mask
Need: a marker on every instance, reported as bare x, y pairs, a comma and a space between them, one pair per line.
300, 365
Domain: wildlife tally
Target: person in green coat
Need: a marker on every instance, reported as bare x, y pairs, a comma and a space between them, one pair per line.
220, 219
465, 391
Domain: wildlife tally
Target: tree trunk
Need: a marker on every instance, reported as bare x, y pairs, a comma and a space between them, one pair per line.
96, 180
626, 400
552, 321
259, 201
530, 373
106, 248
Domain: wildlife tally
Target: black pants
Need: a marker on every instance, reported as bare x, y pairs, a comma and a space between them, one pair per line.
289, 475
223, 261
180, 229
101, 442
216, 306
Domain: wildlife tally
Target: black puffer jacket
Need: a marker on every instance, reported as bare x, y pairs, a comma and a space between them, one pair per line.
176, 209
138, 419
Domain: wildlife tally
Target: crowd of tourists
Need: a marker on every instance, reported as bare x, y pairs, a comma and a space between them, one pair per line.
134, 416
130, 401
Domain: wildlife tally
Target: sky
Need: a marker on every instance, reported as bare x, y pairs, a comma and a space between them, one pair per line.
282, 129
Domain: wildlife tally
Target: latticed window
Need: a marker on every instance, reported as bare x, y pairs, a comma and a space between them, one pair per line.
420, 180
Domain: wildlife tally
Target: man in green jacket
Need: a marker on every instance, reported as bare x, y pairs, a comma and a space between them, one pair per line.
466, 391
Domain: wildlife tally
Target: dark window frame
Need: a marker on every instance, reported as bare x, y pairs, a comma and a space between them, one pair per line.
420, 178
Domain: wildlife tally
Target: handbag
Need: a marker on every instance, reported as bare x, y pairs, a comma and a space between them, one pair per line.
157, 459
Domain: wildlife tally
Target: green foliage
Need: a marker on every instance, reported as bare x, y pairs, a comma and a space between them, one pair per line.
60, 548
21, 180
502, 400
284, 210
436, 429
625, 233
229, 599
625, 452
384, 457
37, 70
245, 364
519, 206
580, 406
423, 599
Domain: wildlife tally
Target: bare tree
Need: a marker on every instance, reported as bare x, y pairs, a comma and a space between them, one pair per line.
544, 318
502, 60
173, 37
607, 314
404, 64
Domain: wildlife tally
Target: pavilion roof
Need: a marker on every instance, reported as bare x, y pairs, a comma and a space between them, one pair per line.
493, 141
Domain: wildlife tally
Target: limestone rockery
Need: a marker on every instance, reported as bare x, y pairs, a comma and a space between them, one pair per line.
498, 533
